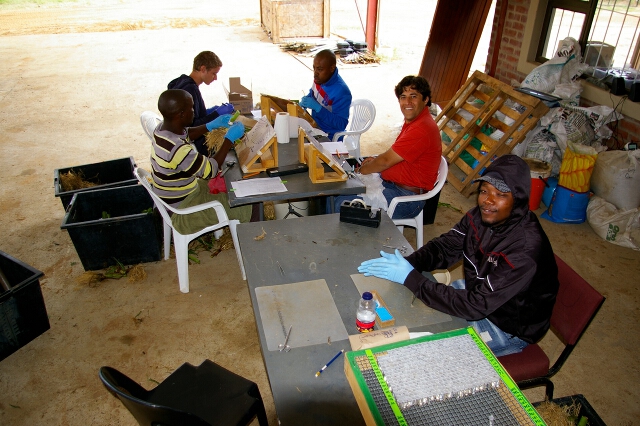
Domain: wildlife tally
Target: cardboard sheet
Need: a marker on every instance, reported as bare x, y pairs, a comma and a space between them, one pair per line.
398, 300
307, 306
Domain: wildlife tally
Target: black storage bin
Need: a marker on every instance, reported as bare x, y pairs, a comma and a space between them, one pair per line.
586, 410
107, 174
23, 315
130, 234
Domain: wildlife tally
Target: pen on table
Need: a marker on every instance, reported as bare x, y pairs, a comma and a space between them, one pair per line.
329, 363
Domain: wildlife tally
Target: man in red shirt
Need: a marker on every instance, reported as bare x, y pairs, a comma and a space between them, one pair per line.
410, 166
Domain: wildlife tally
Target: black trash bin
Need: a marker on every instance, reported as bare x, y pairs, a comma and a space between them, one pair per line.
430, 208
114, 225
586, 410
23, 315
107, 174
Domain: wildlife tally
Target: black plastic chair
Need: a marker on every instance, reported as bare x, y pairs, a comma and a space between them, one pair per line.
206, 395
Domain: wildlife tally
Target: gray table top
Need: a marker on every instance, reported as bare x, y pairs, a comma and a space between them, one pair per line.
312, 248
298, 185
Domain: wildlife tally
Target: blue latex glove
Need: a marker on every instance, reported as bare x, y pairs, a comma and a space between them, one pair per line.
392, 267
309, 102
235, 132
212, 109
225, 109
222, 121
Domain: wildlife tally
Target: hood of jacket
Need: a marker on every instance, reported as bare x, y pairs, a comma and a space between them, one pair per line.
514, 171
181, 82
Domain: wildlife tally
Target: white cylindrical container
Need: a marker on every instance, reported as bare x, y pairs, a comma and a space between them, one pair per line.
366, 314
281, 127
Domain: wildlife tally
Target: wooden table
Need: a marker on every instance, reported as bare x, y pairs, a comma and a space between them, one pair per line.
298, 185
297, 251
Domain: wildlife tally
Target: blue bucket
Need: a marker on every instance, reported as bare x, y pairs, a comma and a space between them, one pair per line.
567, 206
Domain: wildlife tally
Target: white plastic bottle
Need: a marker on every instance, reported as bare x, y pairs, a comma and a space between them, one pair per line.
366, 315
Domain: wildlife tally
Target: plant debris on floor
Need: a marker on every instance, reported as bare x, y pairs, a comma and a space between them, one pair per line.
209, 243
135, 273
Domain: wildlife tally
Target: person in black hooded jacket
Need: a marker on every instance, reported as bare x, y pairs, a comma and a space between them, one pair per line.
510, 274
206, 66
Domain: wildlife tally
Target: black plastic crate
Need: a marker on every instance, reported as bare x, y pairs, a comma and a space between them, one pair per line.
586, 410
23, 315
131, 234
107, 174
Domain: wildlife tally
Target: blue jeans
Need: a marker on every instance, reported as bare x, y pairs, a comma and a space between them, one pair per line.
499, 342
390, 191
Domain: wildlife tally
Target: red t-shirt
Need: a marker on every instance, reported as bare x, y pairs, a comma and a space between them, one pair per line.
420, 147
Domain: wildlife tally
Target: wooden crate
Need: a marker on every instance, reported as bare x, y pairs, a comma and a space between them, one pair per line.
485, 119
295, 18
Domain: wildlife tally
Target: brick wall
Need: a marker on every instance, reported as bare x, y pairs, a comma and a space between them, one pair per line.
511, 41
627, 129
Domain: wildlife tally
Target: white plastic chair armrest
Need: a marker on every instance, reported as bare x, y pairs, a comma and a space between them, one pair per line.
345, 133
410, 198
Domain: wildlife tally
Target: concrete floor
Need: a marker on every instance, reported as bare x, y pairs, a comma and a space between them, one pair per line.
75, 98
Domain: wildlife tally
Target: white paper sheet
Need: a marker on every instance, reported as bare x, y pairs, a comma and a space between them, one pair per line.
334, 147
245, 188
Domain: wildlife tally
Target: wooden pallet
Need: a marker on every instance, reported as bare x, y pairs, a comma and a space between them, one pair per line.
484, 103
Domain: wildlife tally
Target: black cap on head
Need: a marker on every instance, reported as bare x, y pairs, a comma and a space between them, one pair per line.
510, 173
495, 180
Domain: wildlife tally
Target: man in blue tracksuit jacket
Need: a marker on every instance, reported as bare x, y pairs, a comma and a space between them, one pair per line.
329, 98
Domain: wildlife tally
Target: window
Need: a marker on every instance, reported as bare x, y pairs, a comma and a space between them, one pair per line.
564, 18
606, 29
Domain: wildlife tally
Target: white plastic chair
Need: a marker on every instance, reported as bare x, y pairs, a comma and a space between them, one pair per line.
181, 242
362, 112
417, 222
149, 121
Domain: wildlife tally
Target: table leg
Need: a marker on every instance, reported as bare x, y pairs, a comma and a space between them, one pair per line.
331, 201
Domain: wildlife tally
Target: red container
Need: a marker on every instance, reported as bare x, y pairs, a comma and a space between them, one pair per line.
540, 172
537, 189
